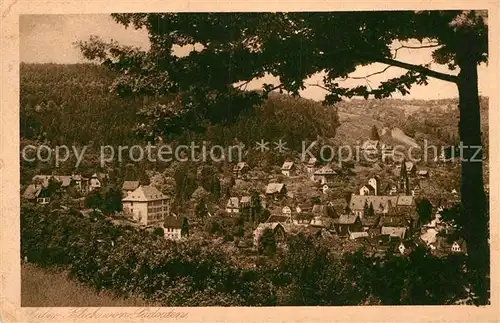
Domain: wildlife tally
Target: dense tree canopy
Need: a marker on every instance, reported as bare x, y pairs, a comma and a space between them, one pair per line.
231, 49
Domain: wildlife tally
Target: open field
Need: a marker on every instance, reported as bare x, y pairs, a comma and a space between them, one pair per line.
45, 287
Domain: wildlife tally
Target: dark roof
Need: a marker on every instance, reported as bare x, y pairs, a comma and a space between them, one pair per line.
173, 222
393, 221
31, 192
278, 218
304, 216
346, 219
130, 185
370, 221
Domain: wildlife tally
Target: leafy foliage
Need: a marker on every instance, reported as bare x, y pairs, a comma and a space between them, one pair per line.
196, 272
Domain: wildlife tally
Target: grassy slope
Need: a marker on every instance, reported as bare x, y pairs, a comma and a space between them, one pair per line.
44, 287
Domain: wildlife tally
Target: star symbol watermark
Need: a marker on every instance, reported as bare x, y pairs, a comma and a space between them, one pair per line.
262, 145
280, 146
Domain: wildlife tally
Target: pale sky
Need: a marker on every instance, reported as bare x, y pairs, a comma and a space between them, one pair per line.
50, 38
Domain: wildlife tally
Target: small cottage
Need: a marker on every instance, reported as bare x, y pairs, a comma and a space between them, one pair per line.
288, 168
302, 218
459, 246
324, 175
311, 164
38, 193
245, 202
277, 228
348, 223
394, 232
286, 210
275, 189
240, 169
175, 227
405, 247
367, 190
233, 206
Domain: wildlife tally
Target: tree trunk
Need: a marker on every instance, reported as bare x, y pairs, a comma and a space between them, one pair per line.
475, 215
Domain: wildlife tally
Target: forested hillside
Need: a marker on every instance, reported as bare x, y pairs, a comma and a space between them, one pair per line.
72, 104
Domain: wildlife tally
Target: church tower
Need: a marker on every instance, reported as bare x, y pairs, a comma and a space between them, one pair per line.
404, 181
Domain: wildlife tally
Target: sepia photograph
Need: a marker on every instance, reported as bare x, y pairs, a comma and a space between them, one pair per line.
254, 159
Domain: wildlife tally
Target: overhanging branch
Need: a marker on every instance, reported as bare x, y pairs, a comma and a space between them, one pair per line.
417, 68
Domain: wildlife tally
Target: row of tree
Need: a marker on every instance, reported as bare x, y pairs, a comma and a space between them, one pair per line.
197, 272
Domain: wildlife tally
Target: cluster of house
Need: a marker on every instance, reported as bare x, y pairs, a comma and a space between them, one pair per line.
145, 204
391, 217
39, 189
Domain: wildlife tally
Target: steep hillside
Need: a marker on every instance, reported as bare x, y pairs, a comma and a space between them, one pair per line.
72, 104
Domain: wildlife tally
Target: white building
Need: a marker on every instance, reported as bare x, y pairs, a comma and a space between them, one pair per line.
367, 190
174, 227
373, 182
287, 168
233, 205
95, 182
147, 205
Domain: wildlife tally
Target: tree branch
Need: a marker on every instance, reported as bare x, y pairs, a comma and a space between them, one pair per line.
416, 68
369, 75
415, 47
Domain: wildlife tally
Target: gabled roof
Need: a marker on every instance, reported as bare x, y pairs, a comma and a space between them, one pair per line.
130, 185
287, 165
144, 194
394, 232
268, 225
325, 170
368, 187
461, 243
405, 200
233, 202
370, 221
356, 235
65, 180
274, 188
32, 191
321, 221
304, 216
278, 219
379, 202
174, 222
393, 221
312, 161
42, 179
346, 219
